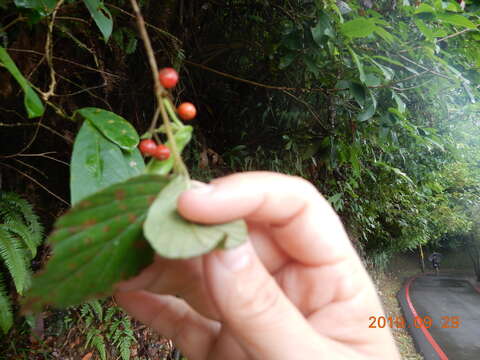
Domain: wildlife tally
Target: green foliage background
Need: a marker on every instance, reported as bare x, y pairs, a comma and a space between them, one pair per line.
376, 106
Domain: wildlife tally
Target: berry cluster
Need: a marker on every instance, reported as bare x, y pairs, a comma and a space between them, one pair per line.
168, 77
148, 147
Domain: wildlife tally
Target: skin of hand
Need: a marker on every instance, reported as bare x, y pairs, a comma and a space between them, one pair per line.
296, 290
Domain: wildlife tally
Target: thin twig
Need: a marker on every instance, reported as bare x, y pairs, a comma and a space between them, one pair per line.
49, 53
266, 86
160, 92
13, 22
36, 124
26, 147
163, 32
425, 68
31, 167
88, 90
81, 91
73, 19
308, 106
36, 182
46, 156
455, 34
65, 60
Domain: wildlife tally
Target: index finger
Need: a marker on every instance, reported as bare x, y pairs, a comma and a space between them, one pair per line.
302, 222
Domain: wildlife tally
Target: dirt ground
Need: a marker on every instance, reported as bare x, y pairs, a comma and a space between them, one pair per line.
387, 286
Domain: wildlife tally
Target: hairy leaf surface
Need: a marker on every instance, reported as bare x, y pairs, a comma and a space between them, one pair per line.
96, 244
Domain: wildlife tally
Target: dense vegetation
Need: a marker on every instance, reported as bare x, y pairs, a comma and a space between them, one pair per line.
377, 104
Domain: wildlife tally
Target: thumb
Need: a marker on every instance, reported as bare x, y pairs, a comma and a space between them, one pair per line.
254, 308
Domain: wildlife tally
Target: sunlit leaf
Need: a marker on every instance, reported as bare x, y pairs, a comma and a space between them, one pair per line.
457, 20
358, 28
425, 8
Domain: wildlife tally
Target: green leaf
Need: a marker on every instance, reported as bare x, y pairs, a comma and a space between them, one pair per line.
372, 80
387, 72
391, 61
31, 100
96, 244
424, 29
114, 127
174, 237
385, 35
101, 16
286, 61
358, 63
400, 104
359, 92
97, 163
358, 28
182, 138
457, 20
369, 107
425, 8
43, 7
322, 29
368, 113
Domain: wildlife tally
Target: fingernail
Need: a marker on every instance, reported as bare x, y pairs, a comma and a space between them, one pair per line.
201, 188
235, 259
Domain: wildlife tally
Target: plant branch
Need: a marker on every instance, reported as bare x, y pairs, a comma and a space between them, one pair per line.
160, 92
49, 53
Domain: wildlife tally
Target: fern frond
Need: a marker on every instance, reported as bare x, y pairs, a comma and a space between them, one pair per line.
99, 343
125, 349
97, 309
23, 233
6, 314
15, 209
13, 255
109, 313
84, 310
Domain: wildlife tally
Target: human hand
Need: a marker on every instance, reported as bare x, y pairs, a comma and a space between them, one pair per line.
296, 290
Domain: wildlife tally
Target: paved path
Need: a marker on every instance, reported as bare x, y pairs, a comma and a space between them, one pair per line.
453, 306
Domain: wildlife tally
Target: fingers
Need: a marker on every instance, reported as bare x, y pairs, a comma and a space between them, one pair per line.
173, 318
302, 222
254, 309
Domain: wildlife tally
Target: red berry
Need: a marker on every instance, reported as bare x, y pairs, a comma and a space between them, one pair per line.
162, 152
168, 77
147, 147
187, 111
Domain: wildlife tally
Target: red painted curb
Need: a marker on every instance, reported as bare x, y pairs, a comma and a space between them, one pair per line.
425, 331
